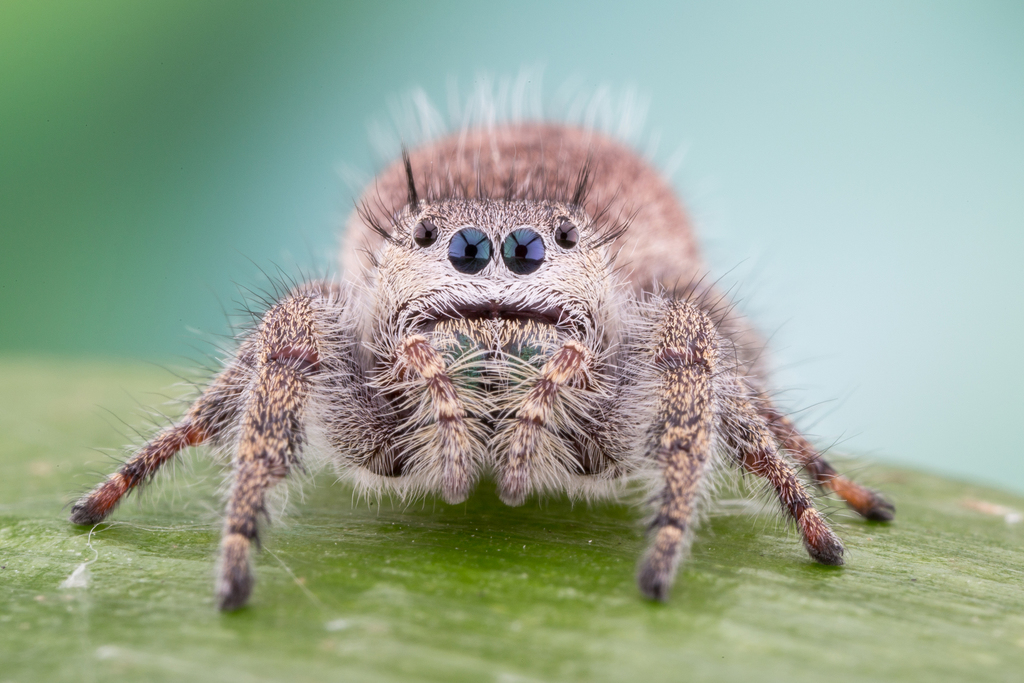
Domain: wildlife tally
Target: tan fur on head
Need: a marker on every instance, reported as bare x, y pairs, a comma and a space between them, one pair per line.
542, 161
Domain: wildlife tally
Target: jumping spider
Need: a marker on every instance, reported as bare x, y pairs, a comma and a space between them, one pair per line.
509, 309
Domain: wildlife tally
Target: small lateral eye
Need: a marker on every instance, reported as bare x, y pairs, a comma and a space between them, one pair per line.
523, 251
469, 251
566, 235
425, 233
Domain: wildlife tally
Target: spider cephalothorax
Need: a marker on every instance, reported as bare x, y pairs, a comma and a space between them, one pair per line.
506, 324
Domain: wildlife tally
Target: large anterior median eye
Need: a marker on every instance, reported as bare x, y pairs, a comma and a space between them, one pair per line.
469, 251
523, 251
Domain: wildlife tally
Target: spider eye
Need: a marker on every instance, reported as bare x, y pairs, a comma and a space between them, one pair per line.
469, 251
566, 235
523, 251
425, 233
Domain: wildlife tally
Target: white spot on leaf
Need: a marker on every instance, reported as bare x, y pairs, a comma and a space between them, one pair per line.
79, 578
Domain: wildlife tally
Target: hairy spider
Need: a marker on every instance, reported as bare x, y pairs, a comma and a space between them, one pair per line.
511, 308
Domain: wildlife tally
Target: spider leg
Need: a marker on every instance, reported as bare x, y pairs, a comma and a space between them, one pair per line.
452, 439
867, 503
747, 346
289, 345
207, 419
534, 415
685, 356
756, 449
263, 392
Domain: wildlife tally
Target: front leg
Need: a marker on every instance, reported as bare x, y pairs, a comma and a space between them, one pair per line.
684, 357
453, 443
524, 439
288, 348
700, 401
263, 393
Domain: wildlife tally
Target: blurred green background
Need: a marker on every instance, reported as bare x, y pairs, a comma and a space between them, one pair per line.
857, 170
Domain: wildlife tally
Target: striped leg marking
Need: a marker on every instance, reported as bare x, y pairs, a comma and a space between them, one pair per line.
288, 354
686, 357
452, 441
760, 456
867, 503
572, 361
206, 419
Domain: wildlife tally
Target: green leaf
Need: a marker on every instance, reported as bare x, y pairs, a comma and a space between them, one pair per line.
477, 591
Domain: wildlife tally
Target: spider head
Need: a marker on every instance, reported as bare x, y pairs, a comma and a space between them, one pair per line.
496, 263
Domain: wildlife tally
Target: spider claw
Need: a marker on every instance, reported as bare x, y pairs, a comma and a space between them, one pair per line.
236, 579
94, 507
653, 583
865, 502
658, 568
820, 541
831, 554
84, 515
880, 510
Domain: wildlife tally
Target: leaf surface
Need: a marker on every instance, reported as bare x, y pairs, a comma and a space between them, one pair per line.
355, 591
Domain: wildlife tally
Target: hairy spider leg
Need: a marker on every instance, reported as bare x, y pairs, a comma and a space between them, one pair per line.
298, 347
453, 441
265, 389
534, 416
757, 450
682, 439
748, 347
867, 503
287, 353
212, 414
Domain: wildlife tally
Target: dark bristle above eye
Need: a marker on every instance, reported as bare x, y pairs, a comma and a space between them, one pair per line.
566, 235
425, 233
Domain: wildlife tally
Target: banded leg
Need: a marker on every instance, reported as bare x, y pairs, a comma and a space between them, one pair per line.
682, 442
263, 393
453, 442
759, 454
207, 419
571, 362
287, 349
867, 503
